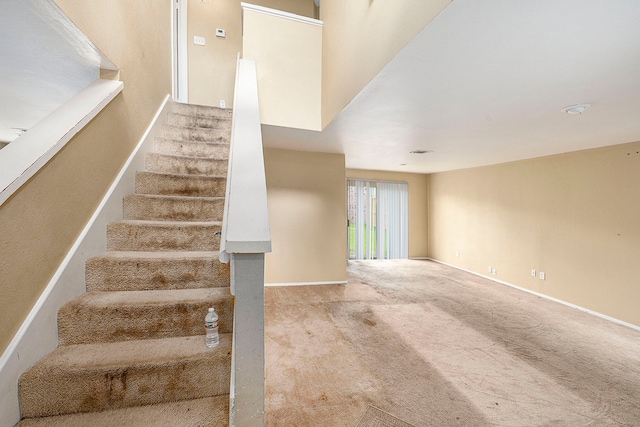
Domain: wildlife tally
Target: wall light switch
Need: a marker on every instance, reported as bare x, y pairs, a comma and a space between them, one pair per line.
220, 32
494, 271
457, 253
533, 272
543, 275
198, 40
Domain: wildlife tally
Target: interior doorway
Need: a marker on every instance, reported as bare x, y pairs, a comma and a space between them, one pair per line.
377, 220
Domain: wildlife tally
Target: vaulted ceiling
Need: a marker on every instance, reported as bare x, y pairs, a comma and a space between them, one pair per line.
45, 61
486, 81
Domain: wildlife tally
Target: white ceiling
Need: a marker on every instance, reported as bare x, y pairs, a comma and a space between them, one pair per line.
485, 83
45, 60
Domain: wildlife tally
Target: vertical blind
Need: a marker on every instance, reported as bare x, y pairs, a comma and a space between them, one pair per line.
377, 219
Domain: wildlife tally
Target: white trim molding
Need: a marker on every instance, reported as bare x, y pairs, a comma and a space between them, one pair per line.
341, 282
24, 157
280, 14
538, 294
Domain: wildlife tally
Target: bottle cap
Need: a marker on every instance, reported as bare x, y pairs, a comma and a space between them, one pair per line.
211, 309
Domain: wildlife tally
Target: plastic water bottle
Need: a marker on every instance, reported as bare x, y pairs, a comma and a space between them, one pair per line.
211, 325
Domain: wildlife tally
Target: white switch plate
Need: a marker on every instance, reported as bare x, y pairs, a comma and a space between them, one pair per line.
533, 272
220, 32
457, 253
494, 271
543, 275
198, 40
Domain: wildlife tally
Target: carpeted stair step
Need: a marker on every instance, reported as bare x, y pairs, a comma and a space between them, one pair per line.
191, 121
191, 148
219, 136
163, 163
97, 377
208, 411
180, 185
200, 110
172, 208
146, 236
136, 315
138, 271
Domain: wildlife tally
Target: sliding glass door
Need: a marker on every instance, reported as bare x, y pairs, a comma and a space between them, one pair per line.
377, 219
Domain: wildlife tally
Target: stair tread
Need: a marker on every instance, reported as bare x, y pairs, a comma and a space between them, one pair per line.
100, 376
192, 108
152, 297
168, 255
186, 158
186, 141
212, 130
175, 197
222, 118
121, 354
196, 121
211, 411
184, 175
146, 222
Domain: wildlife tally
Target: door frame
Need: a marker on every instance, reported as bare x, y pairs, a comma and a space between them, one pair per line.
180, 68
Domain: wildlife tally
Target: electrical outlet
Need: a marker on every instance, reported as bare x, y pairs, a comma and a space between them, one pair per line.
490, 269
533, 272
197, 40
543, 275
223, 104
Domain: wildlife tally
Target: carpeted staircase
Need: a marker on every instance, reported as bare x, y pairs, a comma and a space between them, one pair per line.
132, 348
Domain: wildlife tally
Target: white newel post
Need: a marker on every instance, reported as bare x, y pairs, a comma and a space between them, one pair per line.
248, 374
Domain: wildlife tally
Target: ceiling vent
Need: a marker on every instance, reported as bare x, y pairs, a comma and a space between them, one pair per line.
576, 109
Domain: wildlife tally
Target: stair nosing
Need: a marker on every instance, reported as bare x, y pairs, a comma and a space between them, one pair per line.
186, 157
174, 197
150, 298
222, 131
162, 138
158, 254
226, 119
101, 351
171, 223
183, 175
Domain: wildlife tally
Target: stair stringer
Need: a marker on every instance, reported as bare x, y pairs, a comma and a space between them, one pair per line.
38, 335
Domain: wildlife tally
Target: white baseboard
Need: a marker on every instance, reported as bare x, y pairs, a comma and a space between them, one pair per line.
538, 294
38, 334
343, 282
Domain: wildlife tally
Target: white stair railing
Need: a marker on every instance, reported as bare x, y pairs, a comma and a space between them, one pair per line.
246, 237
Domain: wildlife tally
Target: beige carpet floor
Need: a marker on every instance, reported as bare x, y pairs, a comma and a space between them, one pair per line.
429, 345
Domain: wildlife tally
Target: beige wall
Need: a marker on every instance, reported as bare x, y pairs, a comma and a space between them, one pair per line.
307, 209
360, 38
418, 204
288, 56
575, 217
212, 68
40, 222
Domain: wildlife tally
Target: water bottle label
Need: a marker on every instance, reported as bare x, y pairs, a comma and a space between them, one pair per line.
211, 325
